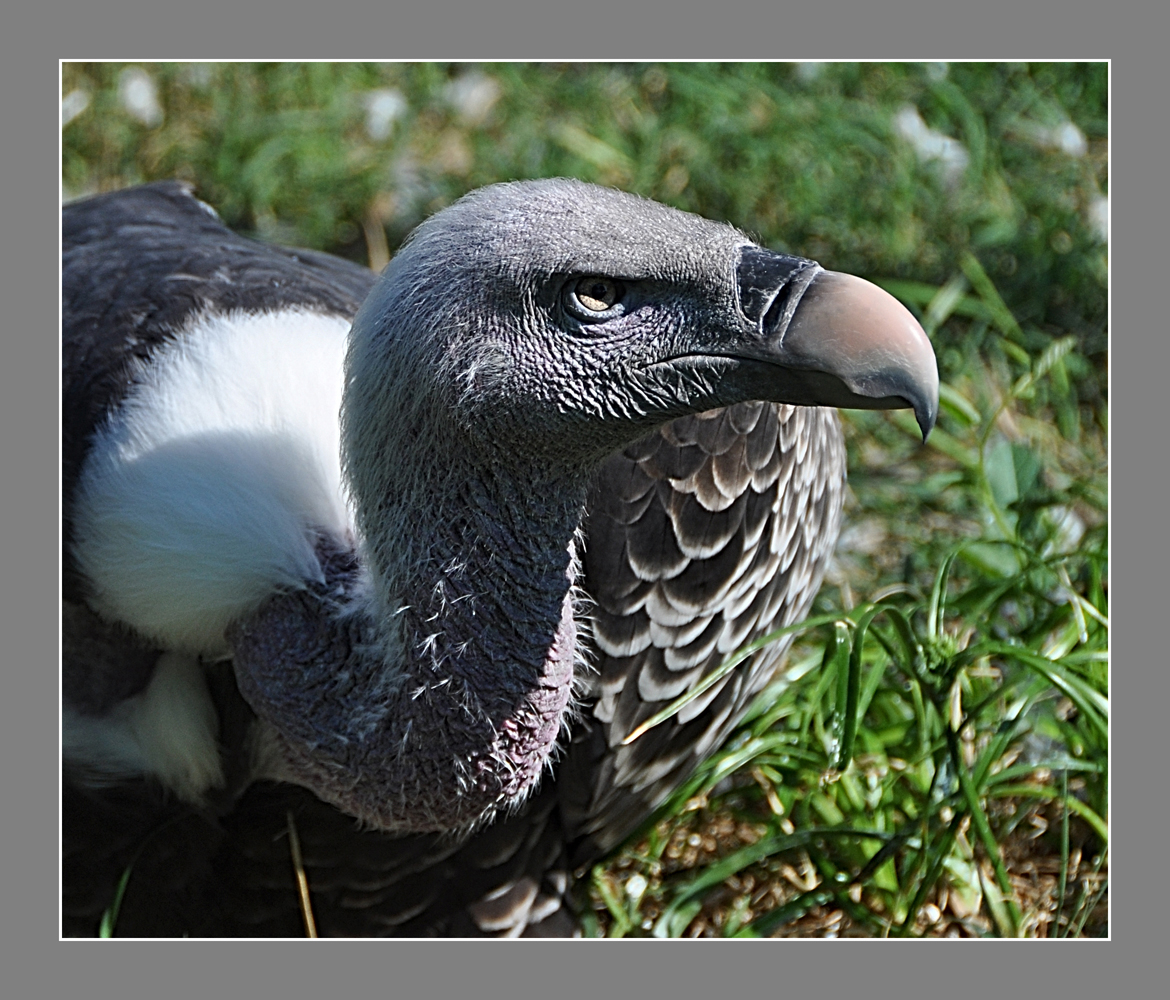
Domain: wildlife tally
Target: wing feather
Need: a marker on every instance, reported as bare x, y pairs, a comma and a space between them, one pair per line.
731, 542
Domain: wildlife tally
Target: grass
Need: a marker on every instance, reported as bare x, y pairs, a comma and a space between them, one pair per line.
933, 759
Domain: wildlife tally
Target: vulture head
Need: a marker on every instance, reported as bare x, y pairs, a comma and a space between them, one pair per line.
419, 677
557, 321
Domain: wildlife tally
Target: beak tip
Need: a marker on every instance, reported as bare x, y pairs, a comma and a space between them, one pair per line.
926, 405
926, 418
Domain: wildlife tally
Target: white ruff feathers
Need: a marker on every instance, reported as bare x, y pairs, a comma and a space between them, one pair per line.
205, 489
168, 731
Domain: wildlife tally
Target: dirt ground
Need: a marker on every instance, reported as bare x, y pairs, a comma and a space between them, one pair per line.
955, 908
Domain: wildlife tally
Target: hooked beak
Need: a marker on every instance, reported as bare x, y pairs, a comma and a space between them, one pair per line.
850, 342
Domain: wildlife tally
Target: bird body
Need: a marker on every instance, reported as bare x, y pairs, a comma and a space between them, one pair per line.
436, 567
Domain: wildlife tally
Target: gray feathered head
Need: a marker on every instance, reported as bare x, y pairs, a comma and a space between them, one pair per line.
562, 320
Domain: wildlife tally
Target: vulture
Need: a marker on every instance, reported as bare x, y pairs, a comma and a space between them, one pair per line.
384, 570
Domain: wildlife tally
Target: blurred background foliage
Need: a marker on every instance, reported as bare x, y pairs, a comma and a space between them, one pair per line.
978, 194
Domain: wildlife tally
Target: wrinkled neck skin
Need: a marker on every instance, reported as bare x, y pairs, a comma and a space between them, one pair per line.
423, 688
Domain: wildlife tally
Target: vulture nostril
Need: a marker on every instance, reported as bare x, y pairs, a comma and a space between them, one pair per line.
776, 311
764, 279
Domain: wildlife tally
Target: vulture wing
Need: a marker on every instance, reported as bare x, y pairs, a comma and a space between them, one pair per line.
704, 536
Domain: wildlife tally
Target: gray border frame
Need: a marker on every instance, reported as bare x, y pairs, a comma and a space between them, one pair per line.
36, 963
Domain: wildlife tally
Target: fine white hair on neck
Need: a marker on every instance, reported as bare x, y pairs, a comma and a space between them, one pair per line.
167, 731
210, 484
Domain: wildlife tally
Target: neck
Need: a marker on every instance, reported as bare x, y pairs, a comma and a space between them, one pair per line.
428, 692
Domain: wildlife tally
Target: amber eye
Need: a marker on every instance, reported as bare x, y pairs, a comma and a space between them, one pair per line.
596, 295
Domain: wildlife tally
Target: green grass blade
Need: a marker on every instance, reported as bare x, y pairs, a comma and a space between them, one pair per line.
621, 922
763, 926
1100, 827
937, 858
1001, 315
849, 685
983, 830
1064, 848
938, 596
110, 916
1092, 704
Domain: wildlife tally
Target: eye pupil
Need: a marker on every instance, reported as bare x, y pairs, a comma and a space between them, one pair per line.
596, 294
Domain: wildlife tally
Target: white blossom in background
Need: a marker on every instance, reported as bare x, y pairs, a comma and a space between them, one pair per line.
1070, 139
806, 72
1099, 217
384, 107
198, 74
72, 104
139, 96
1064, 136
410, 191
931, 145
473, 95
936, 72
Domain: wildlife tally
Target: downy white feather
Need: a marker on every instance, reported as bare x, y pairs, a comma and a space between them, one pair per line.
207, 488
167, 731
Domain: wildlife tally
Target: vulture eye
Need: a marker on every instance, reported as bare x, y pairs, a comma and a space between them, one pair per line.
591, 297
